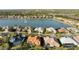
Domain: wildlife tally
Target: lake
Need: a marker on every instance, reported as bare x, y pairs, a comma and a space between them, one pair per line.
33, 23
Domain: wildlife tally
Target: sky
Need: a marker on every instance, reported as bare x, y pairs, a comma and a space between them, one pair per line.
39, 4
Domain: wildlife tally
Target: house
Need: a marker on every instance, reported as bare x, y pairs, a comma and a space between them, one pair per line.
67, 40
51, 42
39, 30
74, 30
63, 30
33, 40
16, 40
76, 38
29, 30
5, 32
10, 16
51, 29
24, 29
43, 16
5, 27
18, 30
